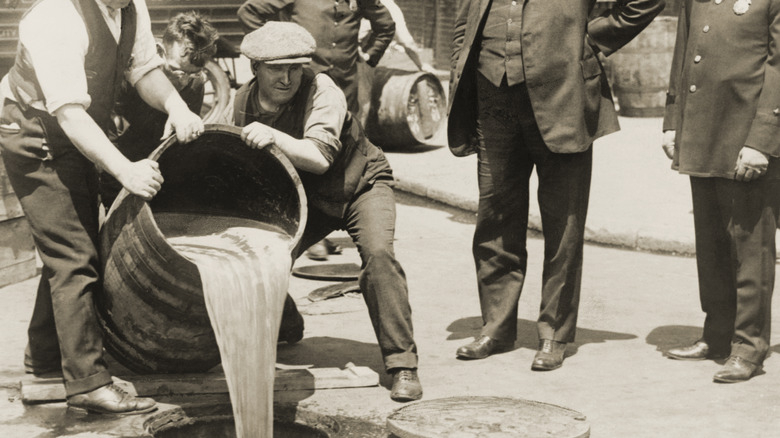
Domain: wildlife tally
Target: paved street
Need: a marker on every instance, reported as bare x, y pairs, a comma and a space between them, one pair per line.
634, 305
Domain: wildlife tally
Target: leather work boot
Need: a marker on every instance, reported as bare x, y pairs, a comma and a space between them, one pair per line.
483, 347
735, 370
406, 385
112, 400
700, 350
549, 355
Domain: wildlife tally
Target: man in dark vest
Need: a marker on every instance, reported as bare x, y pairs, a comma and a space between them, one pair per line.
347, 179
188, 42
527, 91
58, 98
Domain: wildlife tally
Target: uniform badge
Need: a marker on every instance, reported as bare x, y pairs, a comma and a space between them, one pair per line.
741, 6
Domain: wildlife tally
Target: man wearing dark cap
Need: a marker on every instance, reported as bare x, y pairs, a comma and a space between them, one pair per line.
346, 178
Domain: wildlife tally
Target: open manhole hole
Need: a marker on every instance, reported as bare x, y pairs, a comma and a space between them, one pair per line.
224, 427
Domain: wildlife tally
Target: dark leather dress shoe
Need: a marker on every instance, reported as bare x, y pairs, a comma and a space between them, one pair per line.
700, 350
482, 347
406, 385
549, 356
112, 400
736, 369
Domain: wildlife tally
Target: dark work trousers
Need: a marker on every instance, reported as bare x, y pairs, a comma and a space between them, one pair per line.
510, 145
735, 226
370, 221
59, 198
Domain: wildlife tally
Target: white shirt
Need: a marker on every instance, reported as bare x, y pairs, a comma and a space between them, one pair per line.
56, 38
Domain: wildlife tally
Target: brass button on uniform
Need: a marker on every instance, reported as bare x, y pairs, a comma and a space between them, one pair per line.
717, 2
776, 111
706, 28
697, 59
693, 88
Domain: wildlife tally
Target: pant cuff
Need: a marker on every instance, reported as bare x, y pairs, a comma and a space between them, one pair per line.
748, 353
402, 360
87, 384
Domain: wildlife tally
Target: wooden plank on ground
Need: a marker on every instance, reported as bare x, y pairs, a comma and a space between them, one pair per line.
43, 390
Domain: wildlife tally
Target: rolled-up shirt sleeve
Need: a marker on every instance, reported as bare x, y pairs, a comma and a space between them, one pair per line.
324, 115
56, 41
145, 57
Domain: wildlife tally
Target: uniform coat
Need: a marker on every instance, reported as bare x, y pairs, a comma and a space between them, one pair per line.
566, 82
724, 90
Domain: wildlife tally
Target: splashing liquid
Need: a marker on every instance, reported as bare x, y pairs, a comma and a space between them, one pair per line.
245, 269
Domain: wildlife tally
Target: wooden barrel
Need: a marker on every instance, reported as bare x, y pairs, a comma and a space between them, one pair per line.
407, 108
640, 70
152, 309
17, 250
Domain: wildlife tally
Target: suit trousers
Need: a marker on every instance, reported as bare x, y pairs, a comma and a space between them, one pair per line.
510, 147
735, 225
370, 222
59, 198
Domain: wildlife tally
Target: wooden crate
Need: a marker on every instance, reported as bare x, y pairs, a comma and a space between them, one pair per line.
17, 251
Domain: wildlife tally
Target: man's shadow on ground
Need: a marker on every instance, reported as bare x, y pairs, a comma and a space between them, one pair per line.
671, 336
329, 352
527, 337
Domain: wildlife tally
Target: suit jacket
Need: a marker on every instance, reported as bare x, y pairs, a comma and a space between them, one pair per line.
724, 90
566, 83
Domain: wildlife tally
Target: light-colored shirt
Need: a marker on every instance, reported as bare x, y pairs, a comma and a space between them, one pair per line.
55, 36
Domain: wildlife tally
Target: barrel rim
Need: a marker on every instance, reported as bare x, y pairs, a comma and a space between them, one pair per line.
235, 131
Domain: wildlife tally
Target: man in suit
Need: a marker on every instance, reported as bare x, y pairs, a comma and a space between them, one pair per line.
722, 127
527, 90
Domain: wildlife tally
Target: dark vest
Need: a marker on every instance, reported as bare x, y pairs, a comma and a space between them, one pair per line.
357, 165
501, 45
104, 65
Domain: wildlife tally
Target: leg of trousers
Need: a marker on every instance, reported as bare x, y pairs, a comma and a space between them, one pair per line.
59, 199
509, 148
735, 226
370, 222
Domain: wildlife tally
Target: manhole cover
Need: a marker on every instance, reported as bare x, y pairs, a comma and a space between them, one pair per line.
486, 417
330, 271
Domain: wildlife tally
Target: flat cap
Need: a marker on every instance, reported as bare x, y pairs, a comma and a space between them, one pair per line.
279, 42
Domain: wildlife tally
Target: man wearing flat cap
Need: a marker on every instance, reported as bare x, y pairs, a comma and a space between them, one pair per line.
347, 179
335, 25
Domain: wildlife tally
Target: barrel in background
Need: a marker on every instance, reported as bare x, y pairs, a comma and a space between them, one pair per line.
640, 70
407, 108
152, 310
17, 250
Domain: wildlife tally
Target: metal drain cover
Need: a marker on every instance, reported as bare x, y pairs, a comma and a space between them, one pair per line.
486, 417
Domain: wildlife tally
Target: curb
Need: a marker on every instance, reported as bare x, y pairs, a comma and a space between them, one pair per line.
638, 240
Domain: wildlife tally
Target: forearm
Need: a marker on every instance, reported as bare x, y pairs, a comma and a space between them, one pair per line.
90, 140
303, 154
157, 91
